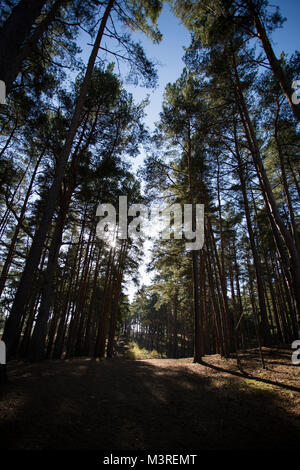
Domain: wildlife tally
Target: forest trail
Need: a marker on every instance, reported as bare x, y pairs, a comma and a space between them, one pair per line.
151, 404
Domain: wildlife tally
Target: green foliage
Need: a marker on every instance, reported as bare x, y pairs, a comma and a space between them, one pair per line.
134, 352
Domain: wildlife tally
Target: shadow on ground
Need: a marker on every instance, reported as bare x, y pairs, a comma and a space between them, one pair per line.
120, 404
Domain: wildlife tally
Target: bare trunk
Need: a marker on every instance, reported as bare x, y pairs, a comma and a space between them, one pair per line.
10, 335
25, 51
15, 31
273, 61
14, 239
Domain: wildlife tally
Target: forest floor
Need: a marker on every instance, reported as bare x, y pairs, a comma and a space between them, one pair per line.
152, 404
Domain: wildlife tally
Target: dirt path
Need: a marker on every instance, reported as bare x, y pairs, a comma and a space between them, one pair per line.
152, 404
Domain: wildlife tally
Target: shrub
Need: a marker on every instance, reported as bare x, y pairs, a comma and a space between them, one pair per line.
134, 352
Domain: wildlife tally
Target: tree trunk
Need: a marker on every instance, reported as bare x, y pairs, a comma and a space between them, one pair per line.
114, 312
265, 332
278, 226
104, 309
175, 304
37, 343
26, 50
10, 335
13, 241
197, 325
276, 67
15, 31
255, 316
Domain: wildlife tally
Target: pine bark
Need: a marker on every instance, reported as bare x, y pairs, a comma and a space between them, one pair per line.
27, 49
10, 335
276, 67
15, 31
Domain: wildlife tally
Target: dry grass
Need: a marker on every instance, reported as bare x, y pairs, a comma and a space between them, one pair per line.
134, 352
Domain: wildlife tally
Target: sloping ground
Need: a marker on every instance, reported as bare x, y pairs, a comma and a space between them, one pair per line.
152, 404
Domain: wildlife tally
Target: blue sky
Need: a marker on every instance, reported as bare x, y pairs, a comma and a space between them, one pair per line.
169, 53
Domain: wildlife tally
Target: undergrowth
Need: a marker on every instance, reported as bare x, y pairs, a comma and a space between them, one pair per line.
135, 352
